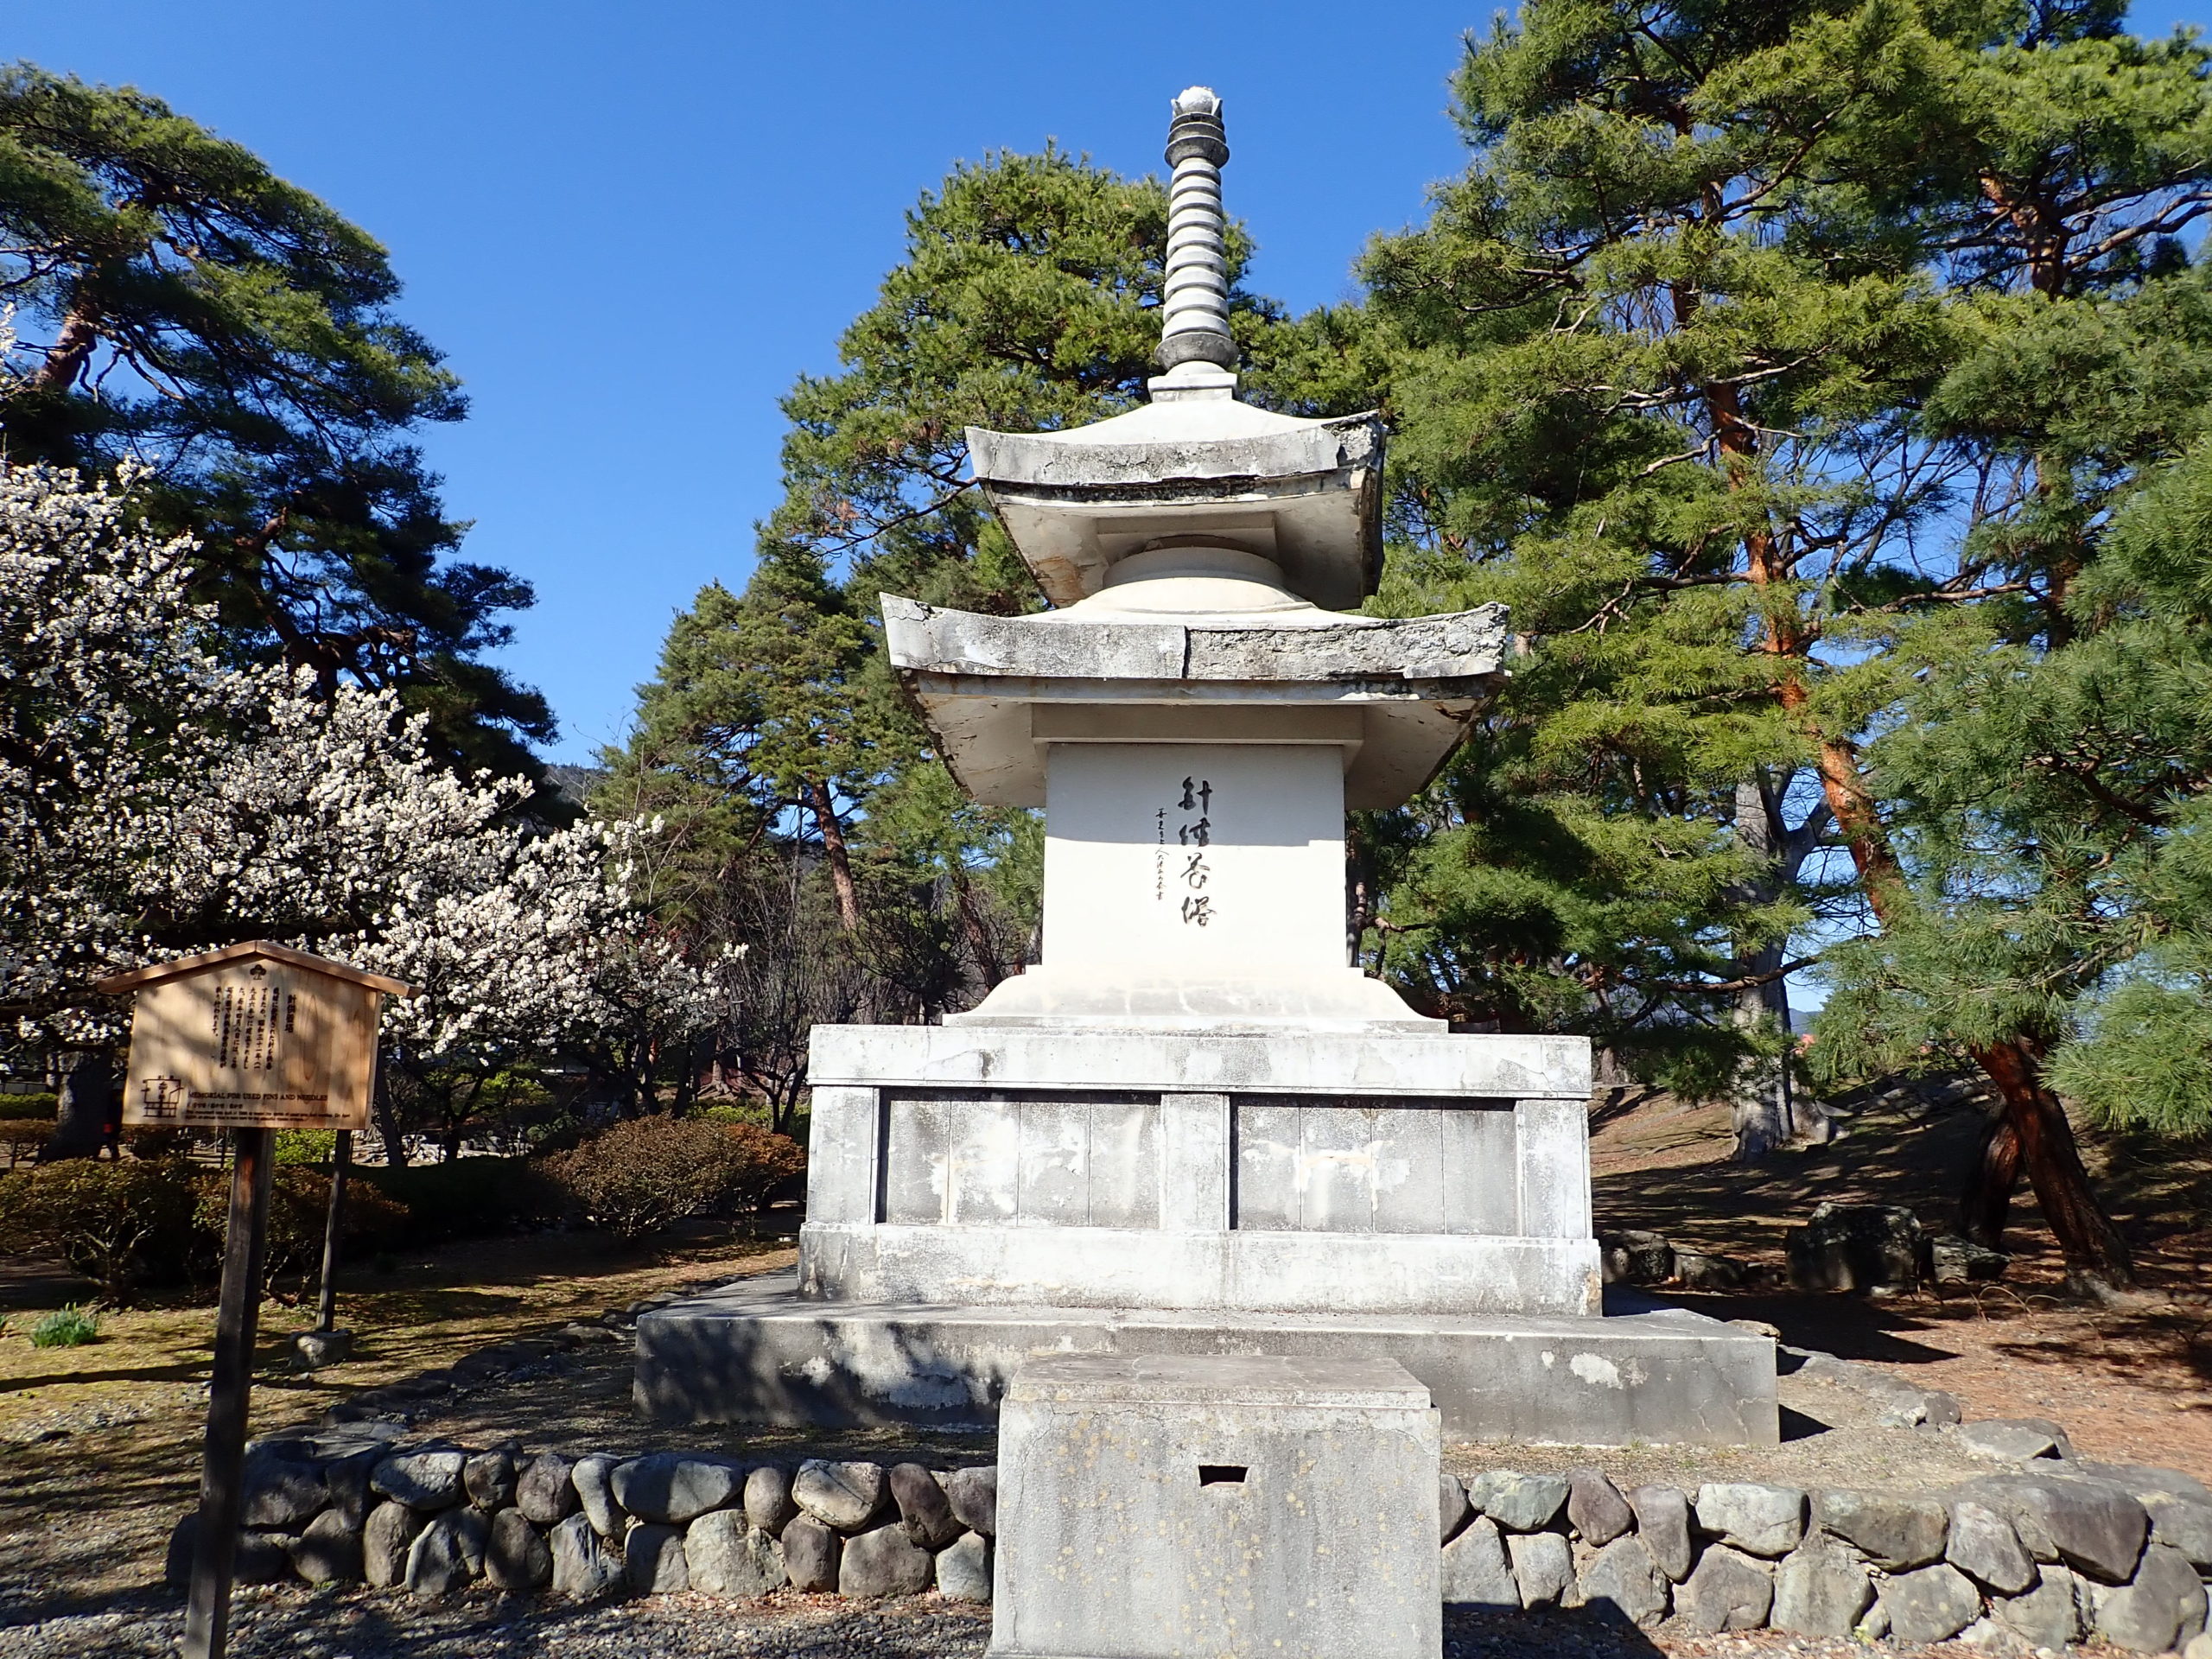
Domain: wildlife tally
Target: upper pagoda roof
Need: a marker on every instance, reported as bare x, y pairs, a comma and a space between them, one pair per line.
1305, 494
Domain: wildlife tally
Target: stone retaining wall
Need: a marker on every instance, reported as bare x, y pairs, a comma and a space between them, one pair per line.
2040, 1557
437, 1519
2016, 1562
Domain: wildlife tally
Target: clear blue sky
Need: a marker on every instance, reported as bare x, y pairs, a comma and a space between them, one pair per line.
631, 225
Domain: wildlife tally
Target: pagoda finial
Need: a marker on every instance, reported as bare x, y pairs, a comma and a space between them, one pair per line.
1195, 301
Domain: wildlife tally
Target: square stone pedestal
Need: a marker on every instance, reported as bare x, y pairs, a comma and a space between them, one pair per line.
1250, 1507
979, 1196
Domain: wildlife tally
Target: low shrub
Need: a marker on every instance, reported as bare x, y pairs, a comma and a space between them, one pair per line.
299, 1214
306, 1147
72, 1326
646, 1174
760, 1160
120, 1225
463, 1198
18, 1106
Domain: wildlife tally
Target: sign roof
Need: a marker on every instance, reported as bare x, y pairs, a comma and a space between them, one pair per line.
252, 950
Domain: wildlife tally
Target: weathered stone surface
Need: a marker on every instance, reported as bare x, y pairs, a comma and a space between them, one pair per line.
314, 1350
1473, 1570
1452, 1506
1725, 1591
279, 1492
1622, 1582
1698, 1270
2183, 1523
672, 1486
963, 1568
1910, 1408
845, 1496
184, 1538
385, 1537
593, 1479
1983, 1546
768, 1499
583, 1564
2048, 1613
728, 1556
922, 1508
2015, 1440
543, 1490
1955, 1261
884, 1562
1758, 1519
1896, 1532
1930, 1604
2140, 1480
515, 1556
425, 1479
346, 1480
489, 1479
974, 1494
1855, 1247
652, 1559
2162, 1609
447, 1553
2091, 1525
263, 1557
1543, 1566
1596, 1507
810, 1553
1819, 1590
1662, 1521
329, 1552
1516, 1502
1633, 1256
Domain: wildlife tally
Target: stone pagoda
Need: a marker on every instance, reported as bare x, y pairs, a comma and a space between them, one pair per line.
1194, 1126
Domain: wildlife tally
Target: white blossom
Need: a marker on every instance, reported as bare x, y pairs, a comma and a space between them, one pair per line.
157, 799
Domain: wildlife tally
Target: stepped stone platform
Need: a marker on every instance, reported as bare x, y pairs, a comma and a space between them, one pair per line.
757, 1352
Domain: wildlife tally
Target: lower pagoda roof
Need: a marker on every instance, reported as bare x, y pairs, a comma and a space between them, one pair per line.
1396, 693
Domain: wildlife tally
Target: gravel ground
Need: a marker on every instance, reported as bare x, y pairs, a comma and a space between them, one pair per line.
364, 1625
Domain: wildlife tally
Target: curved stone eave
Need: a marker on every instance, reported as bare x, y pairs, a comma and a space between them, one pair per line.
1305, 494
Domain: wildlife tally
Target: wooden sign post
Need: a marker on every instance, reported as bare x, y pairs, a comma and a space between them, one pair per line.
252, 1039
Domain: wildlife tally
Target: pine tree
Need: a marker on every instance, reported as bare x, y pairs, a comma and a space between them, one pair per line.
192, 313
1665, 363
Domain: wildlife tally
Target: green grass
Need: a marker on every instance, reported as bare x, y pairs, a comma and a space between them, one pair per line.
72, 1326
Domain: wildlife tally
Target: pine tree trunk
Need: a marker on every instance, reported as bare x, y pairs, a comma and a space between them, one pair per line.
1767, 1109
387, 1116
2095, 1251
833, 849
87, 1087
1985, 1207
66, 359
988, 960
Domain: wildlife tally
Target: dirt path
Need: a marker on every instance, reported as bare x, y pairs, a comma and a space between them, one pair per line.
2132, 1384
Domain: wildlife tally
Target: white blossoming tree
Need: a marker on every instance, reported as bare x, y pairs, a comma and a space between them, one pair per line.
156, 799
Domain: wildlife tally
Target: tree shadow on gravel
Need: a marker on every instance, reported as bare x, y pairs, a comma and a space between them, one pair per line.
1475, 1633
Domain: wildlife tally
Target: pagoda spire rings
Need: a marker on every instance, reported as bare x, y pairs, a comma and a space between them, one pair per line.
1195, 296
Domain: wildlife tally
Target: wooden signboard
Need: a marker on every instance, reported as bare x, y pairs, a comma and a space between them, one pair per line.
253, 1036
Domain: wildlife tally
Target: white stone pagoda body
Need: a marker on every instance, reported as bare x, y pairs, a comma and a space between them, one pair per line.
1193, 1126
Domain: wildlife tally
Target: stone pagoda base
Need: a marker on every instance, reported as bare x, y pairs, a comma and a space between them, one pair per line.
979, 1193
756, 1352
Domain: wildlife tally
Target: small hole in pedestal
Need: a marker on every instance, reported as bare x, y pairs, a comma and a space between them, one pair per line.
1221, 1474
